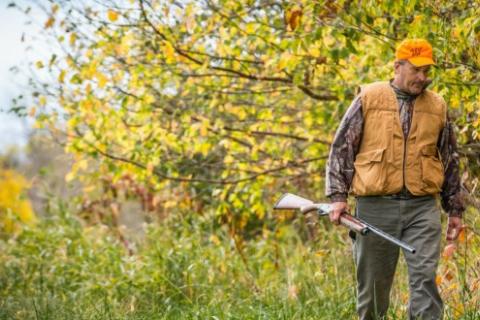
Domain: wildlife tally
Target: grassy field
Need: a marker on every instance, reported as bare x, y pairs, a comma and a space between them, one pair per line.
193, 269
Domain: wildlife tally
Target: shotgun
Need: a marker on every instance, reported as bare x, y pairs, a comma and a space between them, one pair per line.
292, 202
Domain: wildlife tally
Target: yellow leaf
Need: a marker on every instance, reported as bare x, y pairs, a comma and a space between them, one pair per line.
32, 112
49, 23
42, 100
250, 27
329, 41
102, 80
89, 188
61, 76
71, 62
82, 164
228, 159
293, 17
449, 250
285, 60
170, 204
112, 15
39, 64
150, 167
38, 125
70, 176
448, 275
204, 148
321, 253
461, 236
314, 51
169, 51
123, 48
214, 239
239, 112
14, 203
149, 99
73, 38
204, 128
88, 53
417, 18
190, 23
456, 32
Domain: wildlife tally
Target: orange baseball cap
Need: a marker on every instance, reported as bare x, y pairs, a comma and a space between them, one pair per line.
417, 51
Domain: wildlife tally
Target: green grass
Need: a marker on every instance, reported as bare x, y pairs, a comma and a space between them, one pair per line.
184, 270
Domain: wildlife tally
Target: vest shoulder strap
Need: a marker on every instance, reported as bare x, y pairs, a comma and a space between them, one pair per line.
378, 95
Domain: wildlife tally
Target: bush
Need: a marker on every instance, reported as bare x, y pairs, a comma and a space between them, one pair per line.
15, 207
188, 270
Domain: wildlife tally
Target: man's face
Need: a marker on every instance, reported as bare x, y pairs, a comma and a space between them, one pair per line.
410, 78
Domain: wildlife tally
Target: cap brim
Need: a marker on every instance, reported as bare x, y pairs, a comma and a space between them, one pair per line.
421, 61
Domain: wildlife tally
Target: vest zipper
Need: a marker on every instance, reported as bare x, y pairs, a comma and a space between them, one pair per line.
405, 139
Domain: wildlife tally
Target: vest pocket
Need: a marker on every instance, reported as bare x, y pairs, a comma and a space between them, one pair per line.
432, 169
370, 170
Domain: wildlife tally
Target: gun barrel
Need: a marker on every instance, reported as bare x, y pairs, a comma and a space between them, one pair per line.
388, 237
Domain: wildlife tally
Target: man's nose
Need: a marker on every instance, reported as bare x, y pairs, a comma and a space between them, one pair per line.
422, 76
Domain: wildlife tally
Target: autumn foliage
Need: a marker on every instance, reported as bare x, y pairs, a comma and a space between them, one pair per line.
237, 100
214, 108
15, 207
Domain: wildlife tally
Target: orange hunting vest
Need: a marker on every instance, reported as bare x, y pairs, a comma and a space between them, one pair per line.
386, 161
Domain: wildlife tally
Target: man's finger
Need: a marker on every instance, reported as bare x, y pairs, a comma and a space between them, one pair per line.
452, 233
335, 217
454, 228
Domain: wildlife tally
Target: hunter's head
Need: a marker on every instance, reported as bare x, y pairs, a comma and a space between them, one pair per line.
412, 65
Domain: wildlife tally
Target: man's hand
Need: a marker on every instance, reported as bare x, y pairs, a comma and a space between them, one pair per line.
337, 209
454, 228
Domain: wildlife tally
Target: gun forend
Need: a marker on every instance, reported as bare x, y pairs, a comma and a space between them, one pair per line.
353, 224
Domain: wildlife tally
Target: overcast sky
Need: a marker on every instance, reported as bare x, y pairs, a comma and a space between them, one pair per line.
13, 130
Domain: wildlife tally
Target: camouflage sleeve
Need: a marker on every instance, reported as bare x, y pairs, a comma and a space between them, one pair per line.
452, 195
340, 169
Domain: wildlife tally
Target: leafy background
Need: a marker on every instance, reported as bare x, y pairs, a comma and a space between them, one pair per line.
193, 117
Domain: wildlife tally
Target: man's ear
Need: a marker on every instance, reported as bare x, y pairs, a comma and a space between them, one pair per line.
396, 66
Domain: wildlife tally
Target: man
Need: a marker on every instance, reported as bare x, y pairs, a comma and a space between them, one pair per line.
395, 150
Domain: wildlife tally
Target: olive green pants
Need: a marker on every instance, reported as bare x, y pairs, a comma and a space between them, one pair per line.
415, 221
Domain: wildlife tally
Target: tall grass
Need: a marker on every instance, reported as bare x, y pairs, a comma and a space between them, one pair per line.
192, 269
